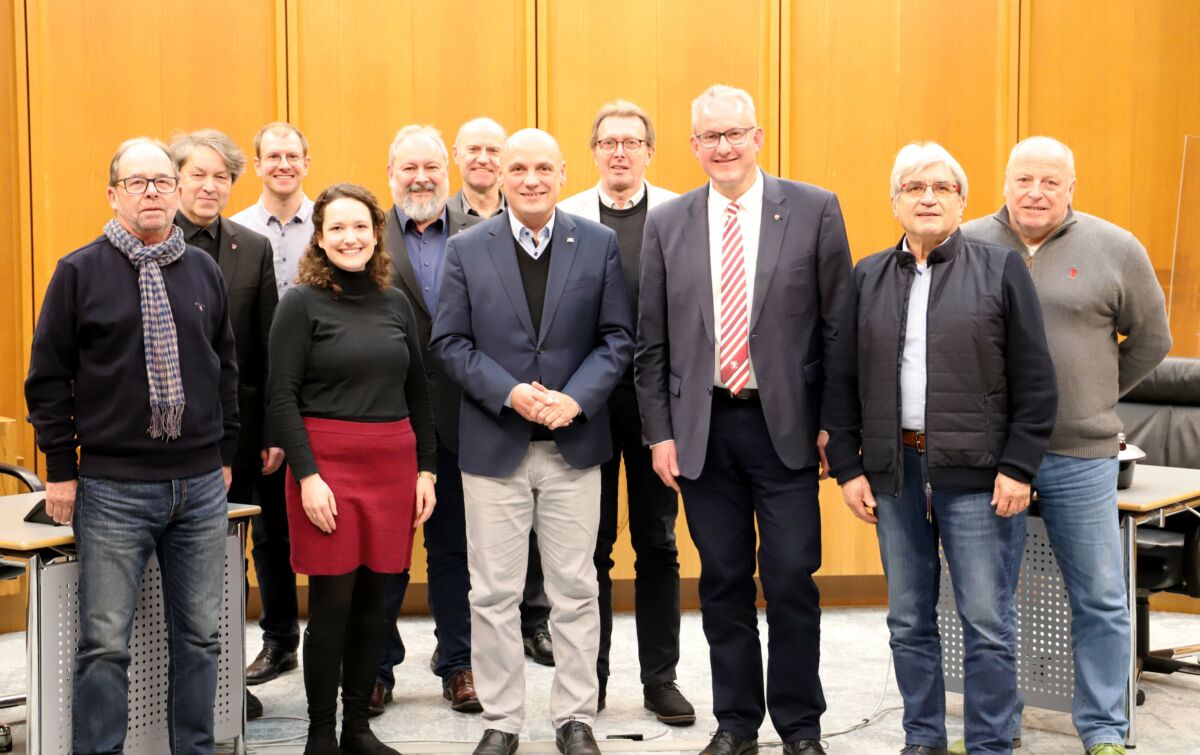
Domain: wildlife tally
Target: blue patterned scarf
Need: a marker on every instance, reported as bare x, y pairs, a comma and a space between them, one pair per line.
158, 325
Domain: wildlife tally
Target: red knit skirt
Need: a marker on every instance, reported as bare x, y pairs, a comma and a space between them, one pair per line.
371, 467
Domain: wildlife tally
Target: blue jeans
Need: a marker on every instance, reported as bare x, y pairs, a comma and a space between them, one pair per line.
979, 546
118, 523
1078, 503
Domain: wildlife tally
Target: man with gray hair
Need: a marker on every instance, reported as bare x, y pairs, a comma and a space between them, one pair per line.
941, 315
731, 406
622, 144
209, 163
1106, 324
133, 366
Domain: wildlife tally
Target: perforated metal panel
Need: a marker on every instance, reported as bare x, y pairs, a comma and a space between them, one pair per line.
1045, 669
59, 634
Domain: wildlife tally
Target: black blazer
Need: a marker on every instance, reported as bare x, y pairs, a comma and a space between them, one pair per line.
444, 393
248, 268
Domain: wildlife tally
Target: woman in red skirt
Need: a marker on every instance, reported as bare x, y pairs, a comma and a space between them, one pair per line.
350, 407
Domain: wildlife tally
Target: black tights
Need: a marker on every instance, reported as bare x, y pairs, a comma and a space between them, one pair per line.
343, 640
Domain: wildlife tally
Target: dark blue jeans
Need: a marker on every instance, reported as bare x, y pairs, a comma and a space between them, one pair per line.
981, 550
118, 524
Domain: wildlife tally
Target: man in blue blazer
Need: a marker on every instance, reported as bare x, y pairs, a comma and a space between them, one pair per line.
743, 285
533, 323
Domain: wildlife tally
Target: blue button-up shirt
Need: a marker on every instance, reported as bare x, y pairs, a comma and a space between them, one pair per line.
288, 240
427, 253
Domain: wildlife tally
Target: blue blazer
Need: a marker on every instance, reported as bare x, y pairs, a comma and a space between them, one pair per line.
484, 339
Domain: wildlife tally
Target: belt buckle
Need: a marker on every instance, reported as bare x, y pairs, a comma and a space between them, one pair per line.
920, 438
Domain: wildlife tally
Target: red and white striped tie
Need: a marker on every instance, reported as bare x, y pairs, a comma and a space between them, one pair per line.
735, 324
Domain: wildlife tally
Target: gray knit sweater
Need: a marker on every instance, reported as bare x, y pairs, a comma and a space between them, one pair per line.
1095, 281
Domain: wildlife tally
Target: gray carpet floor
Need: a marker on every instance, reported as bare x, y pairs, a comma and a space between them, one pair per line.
854, 669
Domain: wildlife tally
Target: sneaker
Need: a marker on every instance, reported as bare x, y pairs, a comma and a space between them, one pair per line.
1106, 748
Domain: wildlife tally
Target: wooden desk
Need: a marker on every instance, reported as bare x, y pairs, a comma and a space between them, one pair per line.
46, 553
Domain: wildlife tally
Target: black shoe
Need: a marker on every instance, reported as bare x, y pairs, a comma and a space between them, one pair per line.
357, 738
433, 659
803, 747
601, 693
923, 750
575, 738
728, 743
668, 703
254, 707
540, 648
496, 742
322, 742
270, 663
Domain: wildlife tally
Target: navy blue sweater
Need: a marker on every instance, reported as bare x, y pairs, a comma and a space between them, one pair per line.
87, 384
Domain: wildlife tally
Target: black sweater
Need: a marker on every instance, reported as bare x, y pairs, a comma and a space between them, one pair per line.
354, 358
87, 384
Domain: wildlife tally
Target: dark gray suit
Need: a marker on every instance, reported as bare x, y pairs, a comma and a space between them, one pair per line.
751, 458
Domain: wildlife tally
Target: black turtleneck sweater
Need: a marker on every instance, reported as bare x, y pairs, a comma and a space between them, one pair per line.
355, 357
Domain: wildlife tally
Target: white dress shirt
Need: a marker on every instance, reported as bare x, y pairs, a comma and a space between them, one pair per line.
750, 219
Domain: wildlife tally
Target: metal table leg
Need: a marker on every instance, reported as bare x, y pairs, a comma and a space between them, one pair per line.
1129, 541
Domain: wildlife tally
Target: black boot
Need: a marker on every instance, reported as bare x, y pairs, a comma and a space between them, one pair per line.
321, 670
361, 660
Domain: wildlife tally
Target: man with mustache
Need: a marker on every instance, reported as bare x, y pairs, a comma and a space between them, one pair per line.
133, 366
284, 215
419, 225
1095, 283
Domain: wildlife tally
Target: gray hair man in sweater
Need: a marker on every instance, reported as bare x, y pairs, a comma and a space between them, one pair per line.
1096, 284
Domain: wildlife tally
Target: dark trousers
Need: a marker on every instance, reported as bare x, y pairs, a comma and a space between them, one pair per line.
653, 508
449, 584
743, 481
272, 551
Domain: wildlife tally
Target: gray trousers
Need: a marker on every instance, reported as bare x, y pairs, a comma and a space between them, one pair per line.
563, 505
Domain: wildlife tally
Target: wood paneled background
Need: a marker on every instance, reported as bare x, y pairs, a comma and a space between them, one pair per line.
840, 85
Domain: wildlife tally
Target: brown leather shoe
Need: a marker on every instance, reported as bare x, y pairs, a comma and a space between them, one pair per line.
380, 696
270, 663
459, 689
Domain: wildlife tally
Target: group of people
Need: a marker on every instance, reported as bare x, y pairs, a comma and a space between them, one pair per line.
480, 365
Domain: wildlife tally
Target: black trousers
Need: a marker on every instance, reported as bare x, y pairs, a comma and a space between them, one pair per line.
744, 482
653, 508
272, 550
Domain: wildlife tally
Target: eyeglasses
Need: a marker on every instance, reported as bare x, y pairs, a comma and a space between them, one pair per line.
629, 145
733, 137
273, 160
916, 189
138, 185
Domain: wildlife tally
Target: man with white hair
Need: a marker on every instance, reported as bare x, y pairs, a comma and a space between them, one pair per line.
741, 304
1106, 324
940, 315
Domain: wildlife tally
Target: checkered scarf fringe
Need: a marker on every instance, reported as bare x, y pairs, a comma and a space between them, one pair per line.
158, 326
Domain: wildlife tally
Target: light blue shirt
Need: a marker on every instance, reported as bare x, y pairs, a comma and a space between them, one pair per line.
532, 246
288, 240
912, 361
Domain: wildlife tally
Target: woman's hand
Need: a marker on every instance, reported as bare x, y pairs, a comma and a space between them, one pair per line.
319, 506
426, 500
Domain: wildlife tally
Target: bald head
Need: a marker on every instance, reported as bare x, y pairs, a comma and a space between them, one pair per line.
534, 172
1039, 185
477, 155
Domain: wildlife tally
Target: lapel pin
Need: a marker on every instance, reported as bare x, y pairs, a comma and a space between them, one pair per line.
570, 239
776, 216
232, 247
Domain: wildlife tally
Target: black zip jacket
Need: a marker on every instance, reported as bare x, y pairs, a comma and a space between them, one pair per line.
990, 388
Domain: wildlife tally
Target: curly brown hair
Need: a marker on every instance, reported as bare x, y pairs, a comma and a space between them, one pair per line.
315, 267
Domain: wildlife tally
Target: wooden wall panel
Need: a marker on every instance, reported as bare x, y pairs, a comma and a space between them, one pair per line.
660, 55
1183, 306
15, 330
865, 77
101, 72
365, 69
1120, 83
862, 79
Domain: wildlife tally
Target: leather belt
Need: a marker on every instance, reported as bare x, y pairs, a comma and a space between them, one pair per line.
746, 394
913, 439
